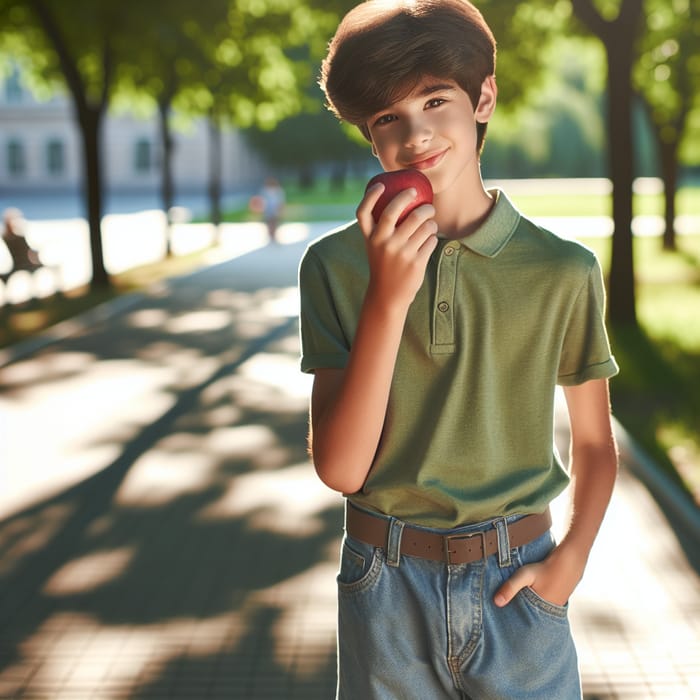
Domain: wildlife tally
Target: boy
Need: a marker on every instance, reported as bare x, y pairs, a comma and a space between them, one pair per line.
436, 345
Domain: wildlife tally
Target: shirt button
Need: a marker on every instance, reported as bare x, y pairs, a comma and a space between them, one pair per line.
449, 250
443, 306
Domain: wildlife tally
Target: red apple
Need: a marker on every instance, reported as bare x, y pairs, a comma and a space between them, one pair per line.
396, 181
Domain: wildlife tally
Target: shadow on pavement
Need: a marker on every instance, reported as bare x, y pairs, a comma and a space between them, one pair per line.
196, 563
173, 540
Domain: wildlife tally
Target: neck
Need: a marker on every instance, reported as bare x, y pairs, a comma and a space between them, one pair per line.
460, 211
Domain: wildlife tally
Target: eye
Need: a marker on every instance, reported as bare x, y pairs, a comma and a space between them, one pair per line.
435, 102
384, 119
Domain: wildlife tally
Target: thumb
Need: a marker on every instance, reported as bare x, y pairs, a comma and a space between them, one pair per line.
522, 578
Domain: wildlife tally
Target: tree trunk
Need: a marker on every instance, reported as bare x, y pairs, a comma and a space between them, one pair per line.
167, 186
215, 170
621, 154
89, 115
90, 128
669, 173
618, 37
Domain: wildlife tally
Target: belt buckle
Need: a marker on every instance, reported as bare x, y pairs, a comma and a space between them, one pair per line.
449, 538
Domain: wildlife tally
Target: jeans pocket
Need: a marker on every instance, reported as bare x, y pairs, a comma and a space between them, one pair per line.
360, 565
531, 553
540, 604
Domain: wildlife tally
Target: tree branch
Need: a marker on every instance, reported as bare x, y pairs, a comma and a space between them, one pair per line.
69, 67
585, 10
107, 71
630, 13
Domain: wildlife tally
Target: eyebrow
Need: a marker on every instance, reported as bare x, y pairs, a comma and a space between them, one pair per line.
428, 89
436, 87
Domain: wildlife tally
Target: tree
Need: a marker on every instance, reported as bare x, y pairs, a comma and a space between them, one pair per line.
308, 138
73, 44
150, 68
618, 34
667, 80
247, 70
521, 28
228, 57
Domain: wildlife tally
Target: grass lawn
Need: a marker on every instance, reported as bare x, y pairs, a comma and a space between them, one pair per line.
657, 393
656, 396
324, 204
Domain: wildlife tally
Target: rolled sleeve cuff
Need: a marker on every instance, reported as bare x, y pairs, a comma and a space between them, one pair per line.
309, 363
601, 370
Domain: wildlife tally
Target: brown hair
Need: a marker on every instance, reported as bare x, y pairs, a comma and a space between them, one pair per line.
383, 48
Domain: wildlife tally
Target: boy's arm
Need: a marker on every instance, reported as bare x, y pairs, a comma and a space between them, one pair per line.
348, 406
593, 473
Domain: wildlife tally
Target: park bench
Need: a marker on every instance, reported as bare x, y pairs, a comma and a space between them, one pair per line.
24, 259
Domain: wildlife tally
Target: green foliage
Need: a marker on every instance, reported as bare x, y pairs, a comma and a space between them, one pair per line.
522, 30
559, 129
667, 73
228, 56
306, 139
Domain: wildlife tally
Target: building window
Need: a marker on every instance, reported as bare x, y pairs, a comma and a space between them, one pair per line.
14, 92
143, 156
16, 164
55, 159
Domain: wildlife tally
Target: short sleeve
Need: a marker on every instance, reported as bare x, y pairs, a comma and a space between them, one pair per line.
323, 342
586, 349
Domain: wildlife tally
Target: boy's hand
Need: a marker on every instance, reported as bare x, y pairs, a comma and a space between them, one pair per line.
398, 254
553, 579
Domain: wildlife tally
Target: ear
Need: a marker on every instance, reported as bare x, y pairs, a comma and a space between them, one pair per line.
487, 100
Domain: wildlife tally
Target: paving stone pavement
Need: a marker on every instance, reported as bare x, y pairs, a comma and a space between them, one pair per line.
162, 534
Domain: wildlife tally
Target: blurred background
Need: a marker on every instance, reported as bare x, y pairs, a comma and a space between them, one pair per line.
137, 140
114, 108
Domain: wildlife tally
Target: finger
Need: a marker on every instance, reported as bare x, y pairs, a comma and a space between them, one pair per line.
429, 241
364, 210
396, 207
520, 579
419, 216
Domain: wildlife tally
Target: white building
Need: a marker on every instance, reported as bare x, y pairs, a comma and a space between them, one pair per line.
41, 151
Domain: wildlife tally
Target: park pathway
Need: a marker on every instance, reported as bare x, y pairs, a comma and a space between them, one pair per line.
162, 534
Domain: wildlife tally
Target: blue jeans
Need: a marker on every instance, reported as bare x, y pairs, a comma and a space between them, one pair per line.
415, 629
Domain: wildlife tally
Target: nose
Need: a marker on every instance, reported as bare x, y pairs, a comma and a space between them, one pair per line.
418, 131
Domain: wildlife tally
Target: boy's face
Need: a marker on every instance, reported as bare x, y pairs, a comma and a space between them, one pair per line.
432, 129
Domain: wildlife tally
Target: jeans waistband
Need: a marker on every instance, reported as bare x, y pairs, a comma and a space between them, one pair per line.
398, 538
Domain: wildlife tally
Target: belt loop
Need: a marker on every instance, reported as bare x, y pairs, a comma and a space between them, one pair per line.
393, 542
503, 542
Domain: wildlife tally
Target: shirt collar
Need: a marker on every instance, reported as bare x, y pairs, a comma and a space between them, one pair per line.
495, 232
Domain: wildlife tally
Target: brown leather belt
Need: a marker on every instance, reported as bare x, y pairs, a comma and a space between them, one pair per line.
452, 549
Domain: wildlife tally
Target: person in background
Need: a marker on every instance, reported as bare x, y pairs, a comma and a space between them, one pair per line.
24, 257
273, 201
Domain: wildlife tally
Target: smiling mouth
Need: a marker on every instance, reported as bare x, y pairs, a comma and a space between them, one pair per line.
427, 162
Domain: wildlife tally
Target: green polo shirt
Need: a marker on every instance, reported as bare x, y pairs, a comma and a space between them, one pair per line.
502, 316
